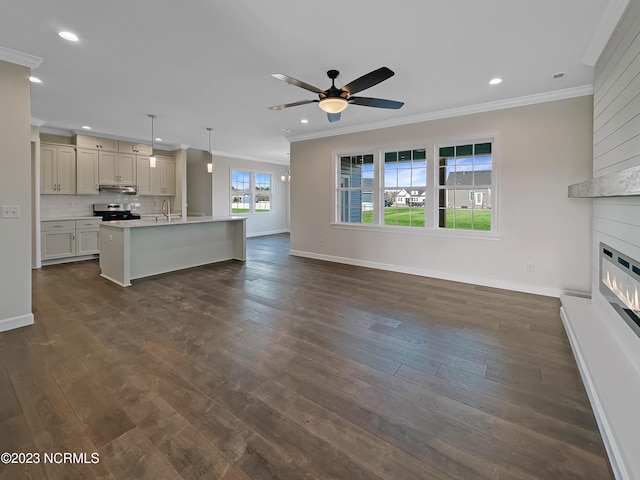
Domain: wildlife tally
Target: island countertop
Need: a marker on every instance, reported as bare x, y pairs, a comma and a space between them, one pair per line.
131, 249
161, 221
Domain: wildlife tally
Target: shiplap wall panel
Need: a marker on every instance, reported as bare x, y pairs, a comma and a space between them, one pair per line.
609, 94
627, 130
616, 221
623, 103
616, 47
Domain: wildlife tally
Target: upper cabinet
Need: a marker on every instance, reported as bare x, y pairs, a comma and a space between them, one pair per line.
57, 169
135, 148
87, 172
163, 177
96, 143
116, 168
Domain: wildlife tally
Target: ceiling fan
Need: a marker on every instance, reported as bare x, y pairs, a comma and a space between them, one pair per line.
335, 100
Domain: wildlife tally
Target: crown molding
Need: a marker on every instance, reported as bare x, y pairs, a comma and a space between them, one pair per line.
19, 58
608, 23
453, 112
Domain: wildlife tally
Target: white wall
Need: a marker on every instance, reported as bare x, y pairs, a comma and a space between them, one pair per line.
538, 151
259, 223
15, 189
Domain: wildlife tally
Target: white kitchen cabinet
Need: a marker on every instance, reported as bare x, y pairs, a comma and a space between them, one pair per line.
87, 172
87, 236
116, 168
135, 148
143, 175
57, 169
163, 177
58, 239
96, 143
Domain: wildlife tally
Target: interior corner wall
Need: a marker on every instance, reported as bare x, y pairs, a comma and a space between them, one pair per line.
15, 190
199, 183
540, 149
257, 223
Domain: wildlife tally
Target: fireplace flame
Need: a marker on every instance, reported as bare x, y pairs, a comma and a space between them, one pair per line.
626, 289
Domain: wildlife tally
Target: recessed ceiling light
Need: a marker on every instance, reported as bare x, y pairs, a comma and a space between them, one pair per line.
304, 120
72, 37
495, 81
86, 127
286, 130
35, 80
158, 139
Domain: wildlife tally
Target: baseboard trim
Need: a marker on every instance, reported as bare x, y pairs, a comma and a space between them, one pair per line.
270, 232
485, 282
16, 322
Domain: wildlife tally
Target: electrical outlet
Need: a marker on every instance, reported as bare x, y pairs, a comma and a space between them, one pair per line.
322, 242
10, 211
530, 268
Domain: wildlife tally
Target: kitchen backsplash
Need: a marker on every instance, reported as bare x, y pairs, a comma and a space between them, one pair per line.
56, 206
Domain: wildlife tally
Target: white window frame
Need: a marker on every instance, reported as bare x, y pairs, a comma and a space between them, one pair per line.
252, 191
431, 227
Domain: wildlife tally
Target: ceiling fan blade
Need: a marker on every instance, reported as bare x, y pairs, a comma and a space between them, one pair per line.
375, 102
294, 104
333, 117
296, 82
368, 80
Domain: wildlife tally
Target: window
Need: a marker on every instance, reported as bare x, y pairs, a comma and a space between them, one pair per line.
263, 193
355, 192
465, 185
405, 187
451, 188
240, 192
250, 192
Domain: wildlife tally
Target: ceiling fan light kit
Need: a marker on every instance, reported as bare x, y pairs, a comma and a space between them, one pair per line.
333, 104
334, 100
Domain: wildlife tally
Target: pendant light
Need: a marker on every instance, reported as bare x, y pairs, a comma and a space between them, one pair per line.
210, 164
152, 157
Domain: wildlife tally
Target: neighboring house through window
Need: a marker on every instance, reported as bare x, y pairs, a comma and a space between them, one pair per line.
451, 189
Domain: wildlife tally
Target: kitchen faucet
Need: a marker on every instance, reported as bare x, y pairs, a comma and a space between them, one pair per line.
165, 202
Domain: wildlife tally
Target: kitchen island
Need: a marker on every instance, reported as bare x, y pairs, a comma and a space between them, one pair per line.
133, 249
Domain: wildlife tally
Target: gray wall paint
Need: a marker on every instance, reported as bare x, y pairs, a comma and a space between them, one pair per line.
539, 150
15, 189
260, 223
199, 183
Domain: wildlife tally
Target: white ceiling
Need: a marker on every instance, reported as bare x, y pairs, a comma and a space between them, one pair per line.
208, 63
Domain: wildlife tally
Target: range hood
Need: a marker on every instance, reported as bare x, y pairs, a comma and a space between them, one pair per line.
126, 189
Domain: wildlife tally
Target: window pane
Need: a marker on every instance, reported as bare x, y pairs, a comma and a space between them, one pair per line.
263, 193
240, 192
465, 179
405, 181
355, 197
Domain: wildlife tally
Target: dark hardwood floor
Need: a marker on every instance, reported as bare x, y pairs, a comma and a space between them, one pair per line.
291, 368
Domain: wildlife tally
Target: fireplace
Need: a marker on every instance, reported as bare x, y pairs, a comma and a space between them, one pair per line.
620, 284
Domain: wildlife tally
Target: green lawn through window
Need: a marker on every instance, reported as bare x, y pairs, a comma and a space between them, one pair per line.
465, 219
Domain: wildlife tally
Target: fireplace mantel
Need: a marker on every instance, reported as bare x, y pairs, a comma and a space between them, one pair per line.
617, 184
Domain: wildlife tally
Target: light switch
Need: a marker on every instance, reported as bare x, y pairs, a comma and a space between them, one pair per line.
10, 211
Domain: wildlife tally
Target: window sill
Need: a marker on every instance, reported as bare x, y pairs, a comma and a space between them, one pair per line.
420, 231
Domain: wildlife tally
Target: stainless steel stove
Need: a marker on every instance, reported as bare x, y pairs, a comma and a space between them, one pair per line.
114, 211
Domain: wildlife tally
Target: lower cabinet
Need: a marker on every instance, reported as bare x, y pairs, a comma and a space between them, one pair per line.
58, 239
87, 237
69, 238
